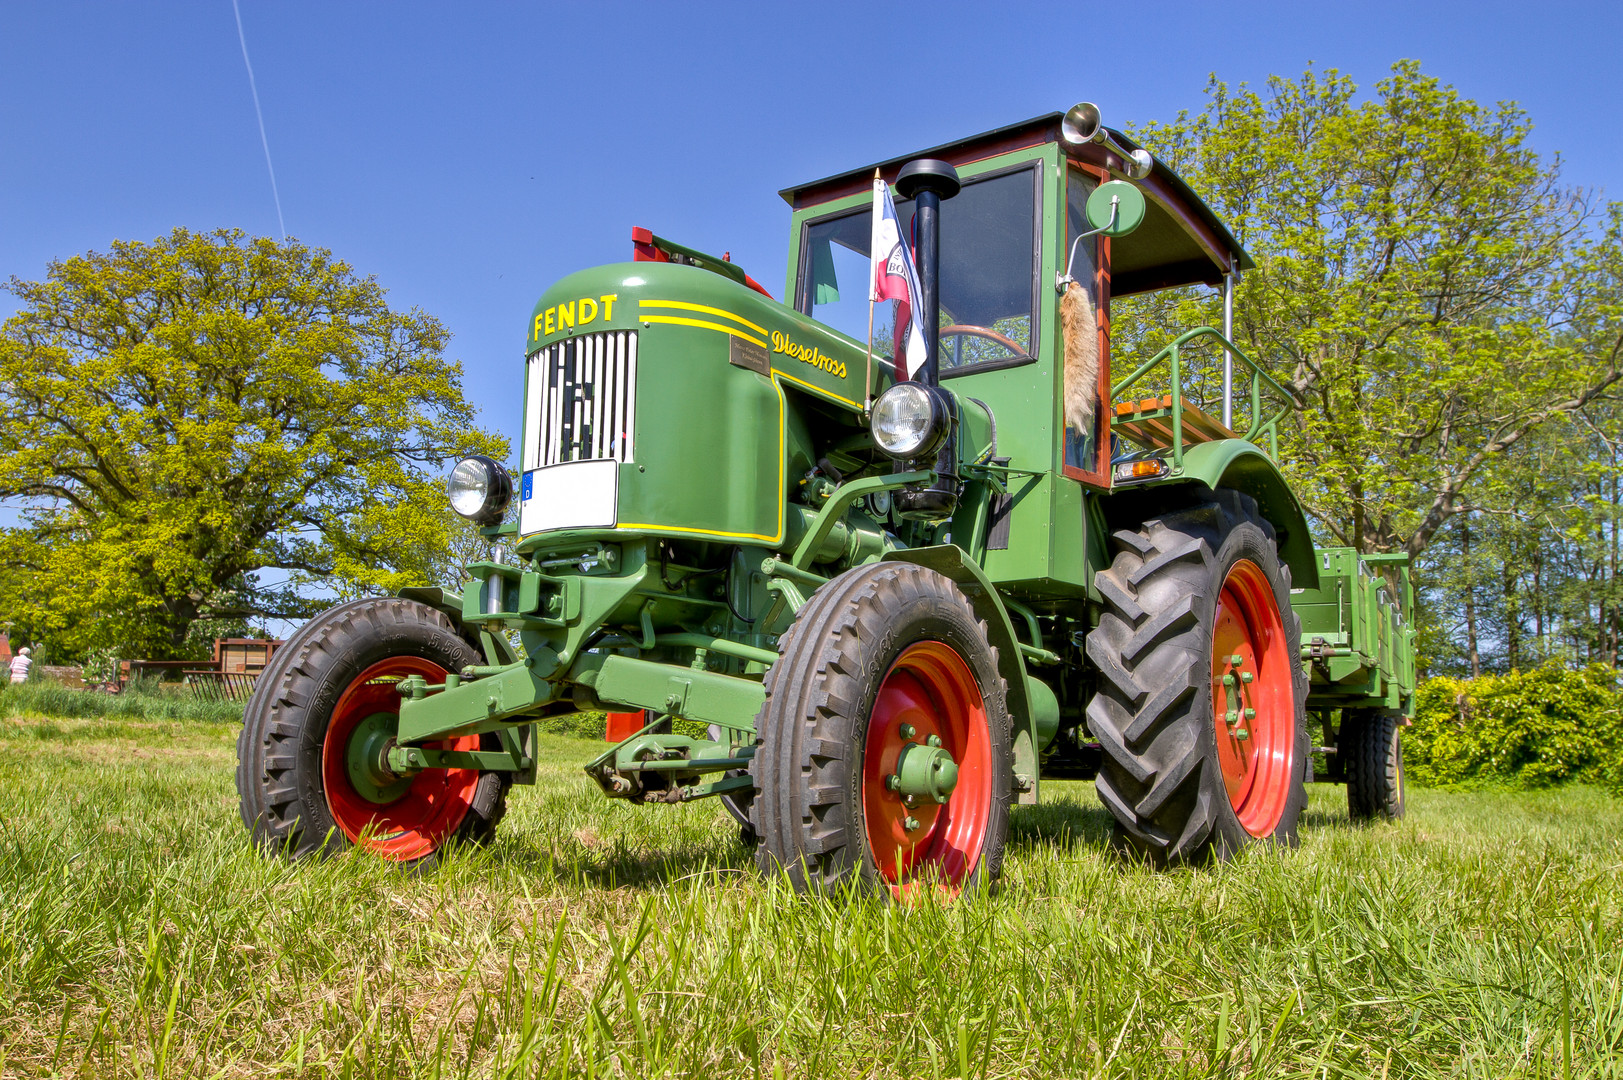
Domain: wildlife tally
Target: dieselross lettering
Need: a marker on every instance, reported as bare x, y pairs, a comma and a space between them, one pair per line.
812, 356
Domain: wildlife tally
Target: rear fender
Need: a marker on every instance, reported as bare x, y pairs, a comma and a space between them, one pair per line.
1243, 467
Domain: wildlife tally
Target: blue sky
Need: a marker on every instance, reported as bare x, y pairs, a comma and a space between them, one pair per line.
468, 154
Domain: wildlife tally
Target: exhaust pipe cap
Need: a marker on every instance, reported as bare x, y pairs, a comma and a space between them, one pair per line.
928, 174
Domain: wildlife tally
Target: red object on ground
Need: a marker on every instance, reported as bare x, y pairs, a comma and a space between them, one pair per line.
623, 725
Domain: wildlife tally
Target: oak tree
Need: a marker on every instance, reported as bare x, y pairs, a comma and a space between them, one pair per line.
210, 428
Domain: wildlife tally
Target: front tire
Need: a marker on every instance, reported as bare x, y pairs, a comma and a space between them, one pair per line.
1200, 711
328, 702
886, 672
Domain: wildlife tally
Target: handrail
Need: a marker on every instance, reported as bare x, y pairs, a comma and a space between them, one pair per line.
1260, 380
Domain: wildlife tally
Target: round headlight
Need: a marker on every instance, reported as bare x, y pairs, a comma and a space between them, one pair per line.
908, 420
480, 489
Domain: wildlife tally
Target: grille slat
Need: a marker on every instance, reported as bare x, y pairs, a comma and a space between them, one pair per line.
581, 404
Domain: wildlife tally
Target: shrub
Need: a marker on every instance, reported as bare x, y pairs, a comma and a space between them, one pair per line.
1525, 729
582, 725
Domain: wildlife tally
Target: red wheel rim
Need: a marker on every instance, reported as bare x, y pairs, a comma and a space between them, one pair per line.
1253, 699
930, 689
418, 822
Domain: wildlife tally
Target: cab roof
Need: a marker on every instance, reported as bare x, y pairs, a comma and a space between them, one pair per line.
1181, 241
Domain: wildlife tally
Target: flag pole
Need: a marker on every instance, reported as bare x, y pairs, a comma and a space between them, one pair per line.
867, 378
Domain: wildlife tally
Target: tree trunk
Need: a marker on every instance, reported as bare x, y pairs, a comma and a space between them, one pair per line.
1470, 598
1609, 620
1513, 619
1538, 604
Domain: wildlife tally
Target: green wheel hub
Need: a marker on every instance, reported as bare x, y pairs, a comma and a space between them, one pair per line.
367, 760
926, 770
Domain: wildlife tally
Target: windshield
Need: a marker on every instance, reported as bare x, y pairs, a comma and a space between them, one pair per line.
988, 267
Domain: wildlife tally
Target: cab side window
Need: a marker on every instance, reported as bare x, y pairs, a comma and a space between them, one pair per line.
1079, 331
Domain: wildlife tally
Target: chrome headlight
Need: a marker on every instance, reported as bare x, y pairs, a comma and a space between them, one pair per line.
909, 420
480, 489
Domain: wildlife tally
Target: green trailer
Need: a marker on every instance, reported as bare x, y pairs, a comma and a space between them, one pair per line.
868, 572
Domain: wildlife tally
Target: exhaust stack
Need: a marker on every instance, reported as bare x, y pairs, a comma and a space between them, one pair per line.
927, 181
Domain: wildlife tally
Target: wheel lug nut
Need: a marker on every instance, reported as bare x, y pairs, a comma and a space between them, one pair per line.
1251, 714
892, 782
907, 731
1236, 659
1228, 680
1231, 717
1246, 676
1241, 733
910, 823
933, 740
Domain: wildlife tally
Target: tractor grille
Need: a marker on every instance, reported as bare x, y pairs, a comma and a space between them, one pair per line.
582, 399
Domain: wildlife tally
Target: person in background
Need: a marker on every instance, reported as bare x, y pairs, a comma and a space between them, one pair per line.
21, 663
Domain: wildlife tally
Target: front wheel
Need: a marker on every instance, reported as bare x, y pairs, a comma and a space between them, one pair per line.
1201, 709
311, 770
885, 752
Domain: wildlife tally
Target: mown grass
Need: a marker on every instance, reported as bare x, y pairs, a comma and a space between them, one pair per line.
140, 936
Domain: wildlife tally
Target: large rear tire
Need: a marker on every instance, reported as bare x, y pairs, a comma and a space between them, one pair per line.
329, 695
1200, 711
1370, 745
886, 672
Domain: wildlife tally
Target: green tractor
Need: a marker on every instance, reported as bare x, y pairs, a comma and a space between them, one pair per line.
871, 612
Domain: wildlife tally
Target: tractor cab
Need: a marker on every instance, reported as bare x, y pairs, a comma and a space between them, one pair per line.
1026, 279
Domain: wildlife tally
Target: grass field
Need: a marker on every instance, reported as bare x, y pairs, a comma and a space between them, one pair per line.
140, 936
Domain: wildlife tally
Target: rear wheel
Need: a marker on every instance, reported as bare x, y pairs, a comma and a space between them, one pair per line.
1201, 707
1370, 745
885, 749
311, 770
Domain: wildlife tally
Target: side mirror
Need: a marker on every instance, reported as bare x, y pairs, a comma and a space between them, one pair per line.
1115, 208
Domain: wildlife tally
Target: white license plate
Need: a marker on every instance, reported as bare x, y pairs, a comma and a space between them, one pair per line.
573, 495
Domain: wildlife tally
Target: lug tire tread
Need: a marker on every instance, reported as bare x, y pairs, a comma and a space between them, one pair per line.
1152, 652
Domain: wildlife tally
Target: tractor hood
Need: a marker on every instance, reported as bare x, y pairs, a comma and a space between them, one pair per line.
666, 398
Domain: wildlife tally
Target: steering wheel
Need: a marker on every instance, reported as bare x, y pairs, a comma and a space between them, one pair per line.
965, 330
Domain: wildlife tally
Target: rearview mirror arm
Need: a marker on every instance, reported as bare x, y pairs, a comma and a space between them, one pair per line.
1066, 278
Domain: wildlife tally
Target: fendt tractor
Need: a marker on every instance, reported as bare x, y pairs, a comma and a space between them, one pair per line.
870, 612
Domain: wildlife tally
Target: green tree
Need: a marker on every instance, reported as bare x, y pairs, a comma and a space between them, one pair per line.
201, 428
1427, 288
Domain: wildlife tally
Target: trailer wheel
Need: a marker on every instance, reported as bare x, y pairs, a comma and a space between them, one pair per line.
1370, 745
1200, 711
884, 753
318, 719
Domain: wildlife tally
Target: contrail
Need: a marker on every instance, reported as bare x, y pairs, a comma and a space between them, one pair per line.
264, 141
